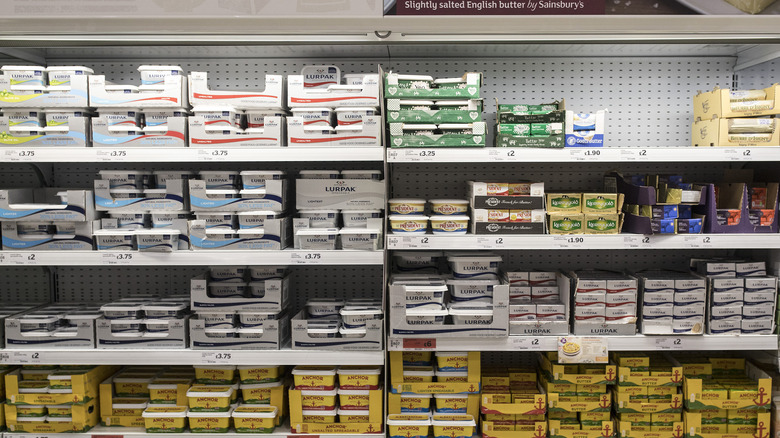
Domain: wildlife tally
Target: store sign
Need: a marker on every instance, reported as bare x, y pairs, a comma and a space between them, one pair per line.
500, 7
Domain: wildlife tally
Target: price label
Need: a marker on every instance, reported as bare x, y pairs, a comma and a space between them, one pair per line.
19, 259
112, 154
392, 344
416, 242
25, 357
526, 343
121, 258
568, 242
699, 241
491, 242
419, 155
214, 154
392, 154
634, 154
419, 344
585, 154
666, 343
217, 357
738, 154
307, 258
19, 155
638, 241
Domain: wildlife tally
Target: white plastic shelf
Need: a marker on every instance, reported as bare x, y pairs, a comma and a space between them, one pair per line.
616, 343
586, 241
189, 357
582, 155
190, 258
105, 431
186, 155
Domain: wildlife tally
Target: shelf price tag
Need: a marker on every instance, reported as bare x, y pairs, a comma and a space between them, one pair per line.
19, 259
526, 343
742, 154
307, 258
21, 357
421, 241
569, 242
585, 154
427, 155
634, 154
668, 343
700, 241
493, 242
121, 258
419, 343
214, 154
216, 357
392, 154
112, 154
639, 241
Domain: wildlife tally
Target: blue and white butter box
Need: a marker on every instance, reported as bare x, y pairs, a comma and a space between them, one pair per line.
585, 129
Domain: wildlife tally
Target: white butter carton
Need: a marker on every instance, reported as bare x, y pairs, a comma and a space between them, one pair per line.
589, 298
657, 298
334, 96
716, 269
688, 311
726, 312
61, 76
173, 200
758, 326
302, 134
46, 205
765, 298
273, 335
695, 285
592, 313
522, 312
726, 298
727, 285
176, 336
658, 285
272, 134
302, 340
624, 313
172, 93
550, 312
172, 134
760, 284
274, 235
578, 136
542, 278
521, 294
19, 95
692, 297
82, 336
751, 311
591, 286
272, 198
725, 326
155, 74
620, 298
622, 285
519, 278
271, 97
276, 297
340, 194
693, 325
750, 269
545, 294
73, 132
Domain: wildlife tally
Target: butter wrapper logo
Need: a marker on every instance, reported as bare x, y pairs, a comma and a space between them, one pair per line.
601, 224
600, 203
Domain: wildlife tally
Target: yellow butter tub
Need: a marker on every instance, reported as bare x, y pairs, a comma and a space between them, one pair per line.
350, 416
127, 407
209, 422
258, 393
165, 419
314, 377
254, 419
417, 358
310, 416
204, 398
356, 399
164, 391
452, 376
259, 374
415, 403
408, 425
132, 385
313, 400
215, 374
418, 374
64, 411
35, 374
31, 411
359, 377
451, 403
452, 361
453, 426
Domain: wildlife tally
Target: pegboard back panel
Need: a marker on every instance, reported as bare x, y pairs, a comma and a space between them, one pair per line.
448, 180
758, 76
30, 284
649, 98
15, 175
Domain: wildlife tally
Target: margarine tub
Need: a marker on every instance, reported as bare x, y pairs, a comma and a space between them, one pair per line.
129, 221
205, 398
258, 393
125, 407
353, 416
420, 297
417, 358
217, 220
127, 179
62, 75
451, 224
324, 307
316, 400
33, 386
415, 105
450, 83
65, 411
453, 426
250, 319
449, 206
255, 179
228, 290
353, 399
408, 426
413, 261
404, 206
227, 273
452, 376
366, 239
60, 380
122, 310
408, 223
314, 116
415, 403
352, 333
356, 316
215, 374
352, 116
418, 374
129, 327
217, 319
132, 385
254, 419
472, 290
474, 266
452, 360
451, 403
310, 416
319, 174
471, 314
168, 419
258, 373
25, 74
358, 218
31, 411
317, 238
166, 390
219, 179
426, 315
164, 310
359, 377
317, 377
209, 422
320, 218
420, 82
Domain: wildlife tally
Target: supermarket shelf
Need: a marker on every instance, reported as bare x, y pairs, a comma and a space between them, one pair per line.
580, 155
105, 431
189, 258
189, 357
586, 241
616, 343
185, 155
247, 30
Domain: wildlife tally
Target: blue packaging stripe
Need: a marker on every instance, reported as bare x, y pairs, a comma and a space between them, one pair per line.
657, 304
158, 245
735, 330
688, 316
498, 331
327, 344
19, 244
750, 332
354, 326
476, 275
650, 318
231, 344
453, 369
728, 303
416, 410
678, 303
114, 247
690, 289
768, 315
474, 298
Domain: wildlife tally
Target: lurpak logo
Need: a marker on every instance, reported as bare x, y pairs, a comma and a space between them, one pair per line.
340, 186
604, 331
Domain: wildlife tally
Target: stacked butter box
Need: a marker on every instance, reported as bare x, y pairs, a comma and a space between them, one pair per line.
672, 302
584, 213
724, 117
531, 125
605, 302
